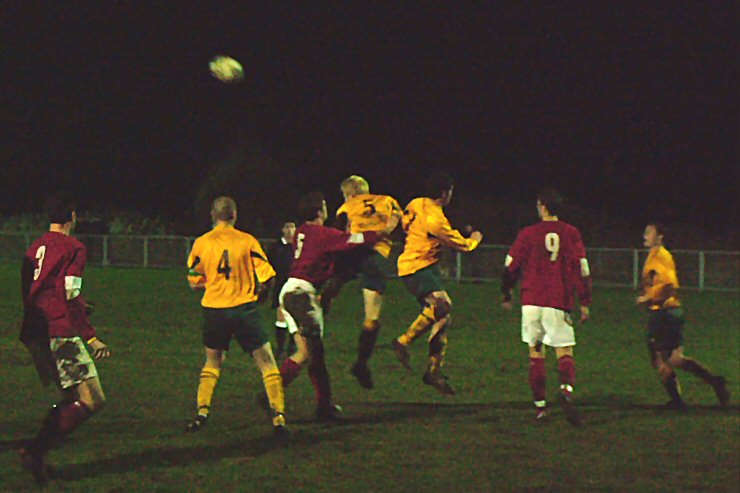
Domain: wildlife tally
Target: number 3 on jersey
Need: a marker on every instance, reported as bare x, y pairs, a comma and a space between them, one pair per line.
552, 245
40, 254
223, 265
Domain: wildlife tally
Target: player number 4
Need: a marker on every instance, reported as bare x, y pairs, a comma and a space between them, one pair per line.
223, 265
552, 244
40, 254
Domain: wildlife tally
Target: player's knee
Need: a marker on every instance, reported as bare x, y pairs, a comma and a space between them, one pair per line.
677, 360
442, 307
665, 371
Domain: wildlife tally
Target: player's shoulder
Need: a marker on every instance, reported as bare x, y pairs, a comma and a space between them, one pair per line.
664, 254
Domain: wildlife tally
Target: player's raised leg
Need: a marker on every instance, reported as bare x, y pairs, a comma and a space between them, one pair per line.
209, 376
437, 349
717, 382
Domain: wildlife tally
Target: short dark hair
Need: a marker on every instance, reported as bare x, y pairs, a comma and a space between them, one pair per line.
437, 183
59, 208
309, 205
552, 200
659, 227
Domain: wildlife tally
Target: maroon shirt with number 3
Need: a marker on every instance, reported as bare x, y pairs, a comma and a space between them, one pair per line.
47, 312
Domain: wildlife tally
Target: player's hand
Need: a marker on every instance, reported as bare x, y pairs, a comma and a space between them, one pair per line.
477, 236
641, 300
507, 305
100, 349
89, 308
585, 313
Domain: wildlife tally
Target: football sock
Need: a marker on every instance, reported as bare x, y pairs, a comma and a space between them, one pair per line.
537, 378
567, 370
281, 332
289, 371
671, 386
695, 368
366, 343
437, 350
61, 420
274, 388
319, 375
206, 386
418, 326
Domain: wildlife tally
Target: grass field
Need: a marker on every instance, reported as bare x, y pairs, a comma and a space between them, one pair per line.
401, 436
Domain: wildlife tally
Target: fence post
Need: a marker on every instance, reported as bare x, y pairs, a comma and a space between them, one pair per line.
701, 270
105, 251
635, 268
146, 251
458, 267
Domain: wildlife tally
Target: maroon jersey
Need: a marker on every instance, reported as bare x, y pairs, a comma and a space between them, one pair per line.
550, 259
315, 248
49, 261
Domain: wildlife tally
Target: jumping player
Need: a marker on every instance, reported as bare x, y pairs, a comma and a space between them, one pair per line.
362, 212
427, 230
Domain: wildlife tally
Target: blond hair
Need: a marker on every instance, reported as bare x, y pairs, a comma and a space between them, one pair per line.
224, 209
355, 185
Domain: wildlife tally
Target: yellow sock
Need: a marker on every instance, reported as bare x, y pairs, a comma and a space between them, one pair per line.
208, 379
418, 326
437, 350
275, 394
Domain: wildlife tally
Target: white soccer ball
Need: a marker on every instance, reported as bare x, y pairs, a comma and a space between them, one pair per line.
226, 69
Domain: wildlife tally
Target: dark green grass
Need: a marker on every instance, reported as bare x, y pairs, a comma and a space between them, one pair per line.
402, 436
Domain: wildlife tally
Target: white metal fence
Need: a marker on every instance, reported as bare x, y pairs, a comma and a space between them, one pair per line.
704, 270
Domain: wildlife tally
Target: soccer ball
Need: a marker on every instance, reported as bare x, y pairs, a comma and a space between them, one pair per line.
226, 69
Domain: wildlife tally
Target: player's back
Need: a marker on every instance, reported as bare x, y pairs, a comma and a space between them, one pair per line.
421, 248
368, 212
225, 254
548, 254
47, 263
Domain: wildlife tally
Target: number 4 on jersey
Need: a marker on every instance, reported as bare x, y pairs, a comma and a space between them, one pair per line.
223, 265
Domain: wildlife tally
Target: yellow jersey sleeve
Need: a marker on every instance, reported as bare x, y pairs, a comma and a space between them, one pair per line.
660, 280
262, 266
440, 227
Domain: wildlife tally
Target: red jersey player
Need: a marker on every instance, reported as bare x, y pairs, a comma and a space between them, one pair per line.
550, 259
54, 327
315, 247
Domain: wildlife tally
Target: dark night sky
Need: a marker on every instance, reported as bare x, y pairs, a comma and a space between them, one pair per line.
626, 109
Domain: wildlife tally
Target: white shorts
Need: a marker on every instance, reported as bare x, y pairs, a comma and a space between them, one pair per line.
63, 361
551, 326
310, 312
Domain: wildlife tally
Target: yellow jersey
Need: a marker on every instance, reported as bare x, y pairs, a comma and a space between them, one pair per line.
231, 264
371, 213
427, 230
659, 280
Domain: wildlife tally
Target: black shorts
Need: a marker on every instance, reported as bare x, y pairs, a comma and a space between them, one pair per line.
423, 282
372, 268
665, 329
242, 322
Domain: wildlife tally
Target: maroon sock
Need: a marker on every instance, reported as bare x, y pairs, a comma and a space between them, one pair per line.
289, 371
537, 378
319, 375
567, 370
62, 420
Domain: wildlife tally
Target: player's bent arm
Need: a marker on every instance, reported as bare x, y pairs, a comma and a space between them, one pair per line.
452, 237
508, 281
